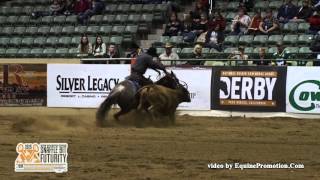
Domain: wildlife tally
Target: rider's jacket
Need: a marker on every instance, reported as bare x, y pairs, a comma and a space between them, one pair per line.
145, 61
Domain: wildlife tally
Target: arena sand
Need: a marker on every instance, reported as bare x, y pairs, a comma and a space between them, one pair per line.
183, 151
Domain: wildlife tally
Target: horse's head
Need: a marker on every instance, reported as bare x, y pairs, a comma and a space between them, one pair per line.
169, 80
185, 93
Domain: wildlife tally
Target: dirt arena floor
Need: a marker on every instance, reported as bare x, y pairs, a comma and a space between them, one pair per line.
182, 151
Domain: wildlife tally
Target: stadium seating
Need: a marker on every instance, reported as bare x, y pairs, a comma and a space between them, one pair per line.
122, 23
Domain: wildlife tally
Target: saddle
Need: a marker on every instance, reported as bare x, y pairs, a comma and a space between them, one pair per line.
135, 84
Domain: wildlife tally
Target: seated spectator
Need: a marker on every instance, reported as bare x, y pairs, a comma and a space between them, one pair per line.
54, 9
97, 7
199, 9
197, 54
240, 56
169, 55
315, 4
281, 55
174, 27
314, 22
247, 4
240, 23
287, 12
305, 11
205, 3
199, 26
99, 48
81, 6
113, 53
217, 20
255, 23
315, 48
269, 24
85, 47
262, 57
66, 6
187, 23
214, 39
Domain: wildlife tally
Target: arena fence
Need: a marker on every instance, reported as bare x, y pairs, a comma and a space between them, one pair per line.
228, 88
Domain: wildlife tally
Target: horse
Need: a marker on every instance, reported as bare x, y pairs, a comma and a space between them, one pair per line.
160, 101
124, 95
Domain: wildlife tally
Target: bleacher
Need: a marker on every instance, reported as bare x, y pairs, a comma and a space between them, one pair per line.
122, 23
58, 36
293, 35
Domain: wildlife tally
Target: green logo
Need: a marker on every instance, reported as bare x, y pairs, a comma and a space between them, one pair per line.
305, 96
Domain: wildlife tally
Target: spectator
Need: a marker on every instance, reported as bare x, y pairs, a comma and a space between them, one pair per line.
81, 6
315, 48
199, 26
197, 54
85, 47
54, 9
113, 53
218, 20
214, 39
281, 55
199, 9
247, 4
262, 57
240, 56
97, 7
174, 27
269, 24
287, 12
255, 23
66, 6
305, 11
187, 25
315, 4
169, 55
314, 22
240, 23
99, 48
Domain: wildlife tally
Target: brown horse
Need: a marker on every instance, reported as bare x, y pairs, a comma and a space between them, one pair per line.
124, 95
160, 101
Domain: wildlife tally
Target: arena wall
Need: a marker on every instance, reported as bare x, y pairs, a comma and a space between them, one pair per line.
221, 92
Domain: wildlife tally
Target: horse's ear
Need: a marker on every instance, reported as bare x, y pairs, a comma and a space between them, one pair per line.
172, 73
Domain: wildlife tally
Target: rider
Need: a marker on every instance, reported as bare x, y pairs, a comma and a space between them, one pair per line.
143, 62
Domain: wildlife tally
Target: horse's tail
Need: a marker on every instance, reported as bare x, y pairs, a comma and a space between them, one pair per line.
104, 109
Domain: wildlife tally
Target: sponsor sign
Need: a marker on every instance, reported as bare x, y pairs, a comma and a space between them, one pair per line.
23, 84
198, 81
43, 157
249, 88
303, 90
82, 85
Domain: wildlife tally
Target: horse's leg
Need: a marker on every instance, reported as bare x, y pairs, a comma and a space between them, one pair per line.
121, 112
172, 117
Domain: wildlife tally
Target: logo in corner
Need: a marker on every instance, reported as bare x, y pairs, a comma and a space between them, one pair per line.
43, 157
310, 95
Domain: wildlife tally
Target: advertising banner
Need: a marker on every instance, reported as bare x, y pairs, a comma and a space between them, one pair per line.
82, 85
23, 84
245, 88
199, 85
303, 90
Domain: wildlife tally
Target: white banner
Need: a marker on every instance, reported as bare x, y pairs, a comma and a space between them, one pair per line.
82, 85
303, 90
199, 85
